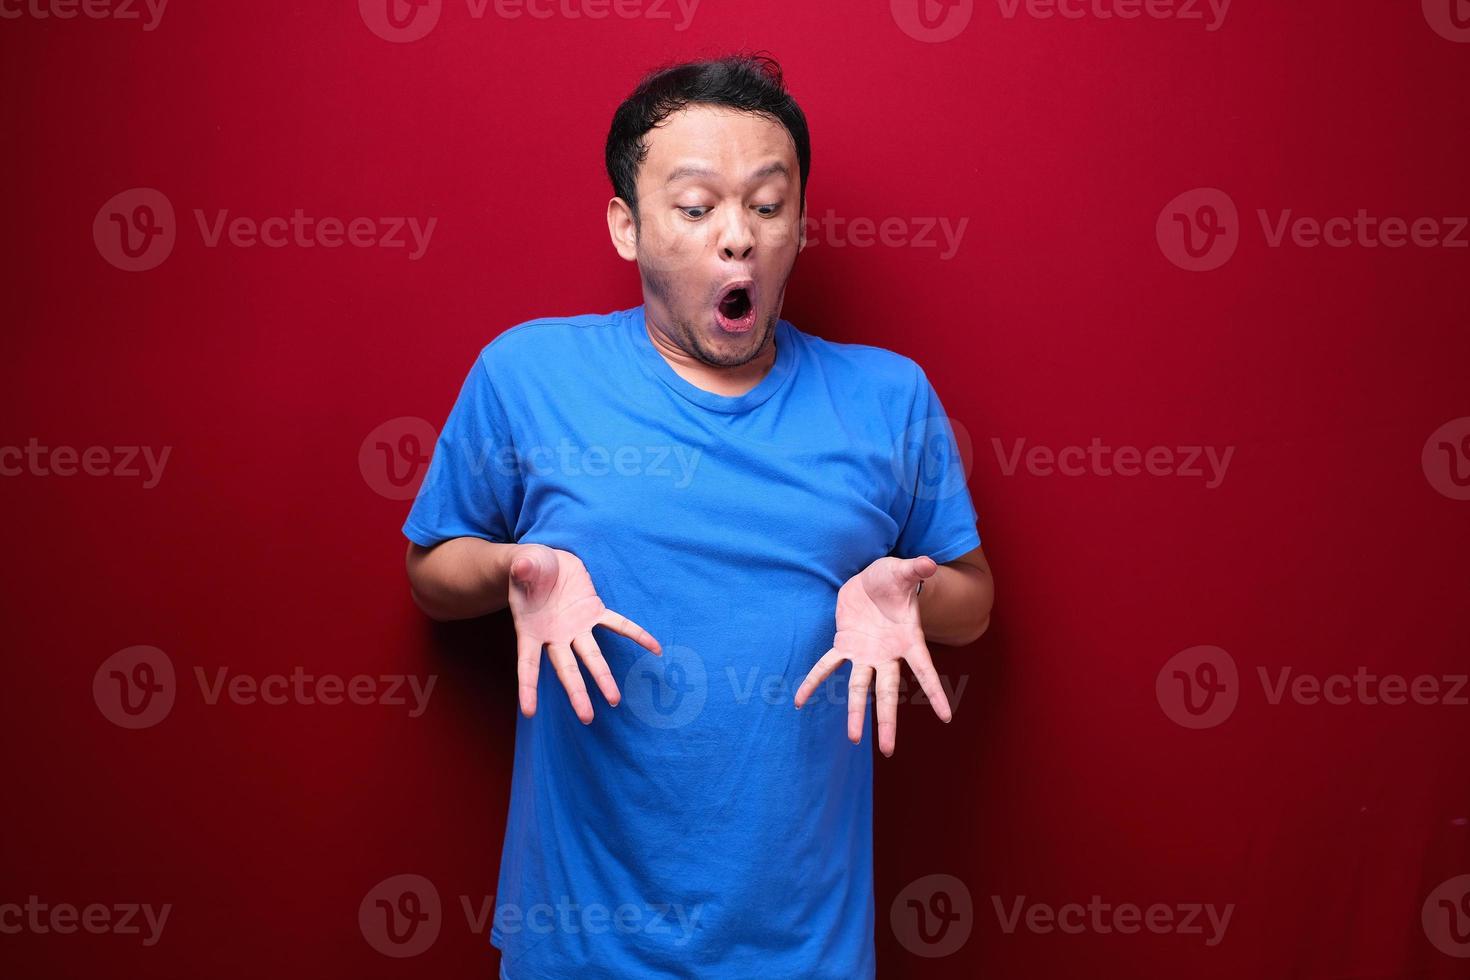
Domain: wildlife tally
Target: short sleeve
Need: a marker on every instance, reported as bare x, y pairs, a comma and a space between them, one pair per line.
937, 516
473, 486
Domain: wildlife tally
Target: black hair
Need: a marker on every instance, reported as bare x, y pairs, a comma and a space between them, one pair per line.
746, 82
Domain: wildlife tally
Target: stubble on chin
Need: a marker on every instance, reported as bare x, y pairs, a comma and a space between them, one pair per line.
696, 348
689, 336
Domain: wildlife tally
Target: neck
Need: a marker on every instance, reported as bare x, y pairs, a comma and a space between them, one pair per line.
720, 379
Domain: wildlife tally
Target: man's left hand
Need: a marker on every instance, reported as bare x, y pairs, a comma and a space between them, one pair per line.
878, 626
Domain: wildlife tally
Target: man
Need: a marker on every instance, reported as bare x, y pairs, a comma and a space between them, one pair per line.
698, 470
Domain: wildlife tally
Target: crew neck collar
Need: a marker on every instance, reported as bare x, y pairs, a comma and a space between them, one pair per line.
635, 325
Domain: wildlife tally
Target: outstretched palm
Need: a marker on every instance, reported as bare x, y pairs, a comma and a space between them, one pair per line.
877, 628
554, 605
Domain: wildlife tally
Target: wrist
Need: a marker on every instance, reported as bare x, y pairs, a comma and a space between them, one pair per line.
496, 567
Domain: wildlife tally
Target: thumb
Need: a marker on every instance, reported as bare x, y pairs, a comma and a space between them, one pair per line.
521, 568
529, 566
921, 568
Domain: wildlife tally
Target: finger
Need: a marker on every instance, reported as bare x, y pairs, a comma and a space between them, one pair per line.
918, 569
528, 671
922, 664
820, 671
619, 623
857, 701
586, 646
887, 697
571, 679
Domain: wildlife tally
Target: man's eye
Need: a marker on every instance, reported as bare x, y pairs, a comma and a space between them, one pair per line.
694, 207
767, 210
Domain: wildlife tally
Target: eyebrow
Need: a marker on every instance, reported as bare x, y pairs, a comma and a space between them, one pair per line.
775, 167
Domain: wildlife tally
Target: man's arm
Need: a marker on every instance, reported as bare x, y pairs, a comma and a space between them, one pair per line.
954, 606
460, 578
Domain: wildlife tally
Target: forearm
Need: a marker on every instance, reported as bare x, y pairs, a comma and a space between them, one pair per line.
954, 606
460, 578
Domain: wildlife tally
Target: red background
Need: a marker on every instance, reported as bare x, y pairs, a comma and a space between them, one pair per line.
264, 547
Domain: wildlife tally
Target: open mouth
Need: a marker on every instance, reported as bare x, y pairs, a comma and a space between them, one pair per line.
735, 309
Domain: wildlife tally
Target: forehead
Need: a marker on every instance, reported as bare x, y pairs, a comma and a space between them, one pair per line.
730, 143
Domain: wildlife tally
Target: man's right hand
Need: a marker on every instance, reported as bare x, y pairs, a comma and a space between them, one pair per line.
554, 605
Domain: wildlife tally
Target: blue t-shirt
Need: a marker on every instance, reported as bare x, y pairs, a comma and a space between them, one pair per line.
703, 827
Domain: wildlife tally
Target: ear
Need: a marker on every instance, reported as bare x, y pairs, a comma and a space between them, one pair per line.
802, 245
620, 228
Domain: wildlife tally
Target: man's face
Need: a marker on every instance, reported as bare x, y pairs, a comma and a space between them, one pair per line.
719, 201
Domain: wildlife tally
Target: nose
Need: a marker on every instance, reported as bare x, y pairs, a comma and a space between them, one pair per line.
736, 238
